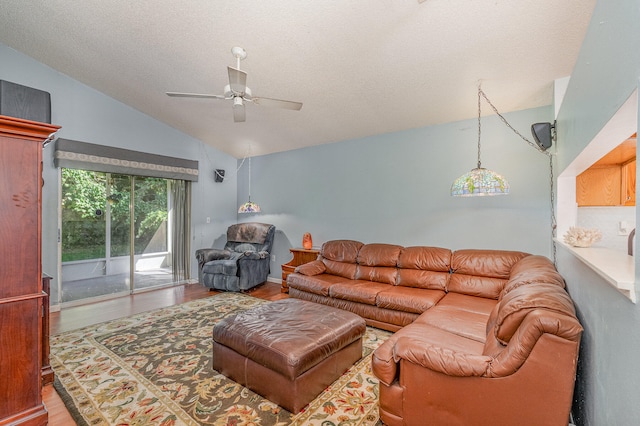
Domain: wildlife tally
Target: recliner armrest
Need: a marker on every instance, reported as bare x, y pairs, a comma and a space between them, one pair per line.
254, 255
207, 255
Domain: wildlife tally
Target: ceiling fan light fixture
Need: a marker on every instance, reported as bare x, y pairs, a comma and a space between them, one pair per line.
238, 91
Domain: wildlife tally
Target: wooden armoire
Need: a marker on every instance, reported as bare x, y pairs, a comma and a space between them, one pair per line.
21, 295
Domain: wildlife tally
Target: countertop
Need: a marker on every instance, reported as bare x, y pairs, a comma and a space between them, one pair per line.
616, 267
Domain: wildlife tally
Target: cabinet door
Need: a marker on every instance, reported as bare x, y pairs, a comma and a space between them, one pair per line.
19, 217
629, 184
599, 186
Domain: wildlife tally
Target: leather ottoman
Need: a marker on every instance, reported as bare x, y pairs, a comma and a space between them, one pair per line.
288, 351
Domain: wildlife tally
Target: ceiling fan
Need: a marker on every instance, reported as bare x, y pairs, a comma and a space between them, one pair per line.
238, 91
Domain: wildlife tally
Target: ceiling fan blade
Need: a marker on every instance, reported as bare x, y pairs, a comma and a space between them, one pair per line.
237, 81
194, 95
239, 114
277, 103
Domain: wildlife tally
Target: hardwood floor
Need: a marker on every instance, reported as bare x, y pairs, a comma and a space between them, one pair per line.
94, 313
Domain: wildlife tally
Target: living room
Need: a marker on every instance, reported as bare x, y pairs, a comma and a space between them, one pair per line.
394, 187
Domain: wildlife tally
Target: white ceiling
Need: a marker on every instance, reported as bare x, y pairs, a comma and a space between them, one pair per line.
361, 67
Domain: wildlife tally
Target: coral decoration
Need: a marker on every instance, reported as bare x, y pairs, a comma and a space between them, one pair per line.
307, 241
582, 237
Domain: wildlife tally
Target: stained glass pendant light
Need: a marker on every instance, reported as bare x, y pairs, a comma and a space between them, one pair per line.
479, 181
249, 206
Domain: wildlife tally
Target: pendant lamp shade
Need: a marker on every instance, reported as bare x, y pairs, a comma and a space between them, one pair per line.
249, 206
479, 181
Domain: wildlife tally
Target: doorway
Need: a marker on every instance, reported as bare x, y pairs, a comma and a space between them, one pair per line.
115, 235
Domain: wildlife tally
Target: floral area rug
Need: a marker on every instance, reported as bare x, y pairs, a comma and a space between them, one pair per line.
155, 368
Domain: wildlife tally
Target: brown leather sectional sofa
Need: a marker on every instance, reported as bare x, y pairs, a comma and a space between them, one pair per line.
483, 337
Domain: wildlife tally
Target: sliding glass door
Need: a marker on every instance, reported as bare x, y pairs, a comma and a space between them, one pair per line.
114, 234
151, 262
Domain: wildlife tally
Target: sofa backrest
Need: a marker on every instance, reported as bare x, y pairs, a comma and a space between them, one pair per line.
530, 270
424, 267
377, 262
482, 273
340, 256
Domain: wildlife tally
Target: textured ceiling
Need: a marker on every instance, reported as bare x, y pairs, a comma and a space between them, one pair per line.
361, 67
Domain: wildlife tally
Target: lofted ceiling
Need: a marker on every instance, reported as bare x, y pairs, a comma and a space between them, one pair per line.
360, 67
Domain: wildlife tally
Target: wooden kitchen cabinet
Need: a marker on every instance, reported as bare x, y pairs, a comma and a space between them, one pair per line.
611, 181
599, 186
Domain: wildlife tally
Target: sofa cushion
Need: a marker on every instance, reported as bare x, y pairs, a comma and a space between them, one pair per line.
379, 255
377, 262
408, 299
358, 291
318, 284
464, 302
467, 324
340, 256
380, 274
482, 273
345, 251
424, 267
530, 270
341, 269
517, 304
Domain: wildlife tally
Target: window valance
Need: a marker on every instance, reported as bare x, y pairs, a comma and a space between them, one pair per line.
99, 158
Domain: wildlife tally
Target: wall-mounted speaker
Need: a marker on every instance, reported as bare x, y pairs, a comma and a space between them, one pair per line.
24, 102
219, 175
542, 134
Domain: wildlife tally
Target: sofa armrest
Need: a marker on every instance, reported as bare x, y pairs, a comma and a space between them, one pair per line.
315, 267
442, 360
382, 363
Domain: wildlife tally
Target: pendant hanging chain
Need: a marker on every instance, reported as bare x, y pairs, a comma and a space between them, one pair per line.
554, 225
249, 179
479, 128
504, 120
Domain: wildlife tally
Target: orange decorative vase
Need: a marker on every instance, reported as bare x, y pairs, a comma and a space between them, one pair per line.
307, 241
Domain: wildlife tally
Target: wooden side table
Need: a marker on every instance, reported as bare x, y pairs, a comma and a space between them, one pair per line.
300, 257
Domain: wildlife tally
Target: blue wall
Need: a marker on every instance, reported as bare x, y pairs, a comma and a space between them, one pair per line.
395, 188
605, 74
